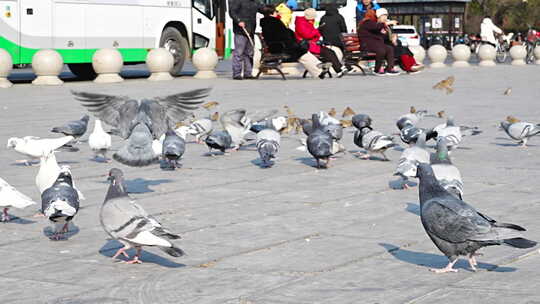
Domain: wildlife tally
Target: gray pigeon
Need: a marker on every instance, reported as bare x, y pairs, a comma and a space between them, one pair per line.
307, 126
75, 128
521, 131
372, 141
60, 202
409, 133
140, 122
456, 228
319, 142
450, 132
446, 173
360, 121
268, 141
410, 158
125, 221
219, 140
174, 147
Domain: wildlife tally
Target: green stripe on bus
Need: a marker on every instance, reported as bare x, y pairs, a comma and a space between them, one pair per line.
22, 55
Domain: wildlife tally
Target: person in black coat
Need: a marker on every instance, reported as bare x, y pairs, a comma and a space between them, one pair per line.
331, 26
278, 37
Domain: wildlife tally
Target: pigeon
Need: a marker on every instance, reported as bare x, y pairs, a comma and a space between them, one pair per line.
410, 158
200, 128
237, 124
75, 128
277, 124
126, 221
326, 119
520, 131
456, 228
445, 84
319, 142
445, 172
268, 141
35, 147
450, 132
60, 202
174, 147
48, 173
219, 140
11, 197
409, 133
140, 122
373, 142
99, 141
413, 117
360, 121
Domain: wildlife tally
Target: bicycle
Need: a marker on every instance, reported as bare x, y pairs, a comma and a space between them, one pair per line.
532, 41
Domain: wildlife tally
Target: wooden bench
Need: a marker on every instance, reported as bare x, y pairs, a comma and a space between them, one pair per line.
352, 52
271, 57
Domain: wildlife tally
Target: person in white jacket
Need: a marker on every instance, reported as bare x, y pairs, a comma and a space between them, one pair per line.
487, 30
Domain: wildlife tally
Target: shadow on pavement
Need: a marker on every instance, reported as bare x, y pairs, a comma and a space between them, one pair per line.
110, 248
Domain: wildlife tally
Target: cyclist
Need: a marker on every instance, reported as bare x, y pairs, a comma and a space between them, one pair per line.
488, 30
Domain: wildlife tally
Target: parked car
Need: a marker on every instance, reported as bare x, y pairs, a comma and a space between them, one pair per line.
407, 34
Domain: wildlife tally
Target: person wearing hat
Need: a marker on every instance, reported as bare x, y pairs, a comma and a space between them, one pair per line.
363, 6
372, 33
284, 13
306, 31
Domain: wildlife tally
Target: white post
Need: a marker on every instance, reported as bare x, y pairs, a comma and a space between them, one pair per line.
6, 65
461, 54
437, 54
160, 62
108, 64
487, 54
205, 60
47, 65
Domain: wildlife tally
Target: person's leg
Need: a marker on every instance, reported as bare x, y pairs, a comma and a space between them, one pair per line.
248, 58
329, 55
389, 54
380, 54
407, 62
240, 42
310, 62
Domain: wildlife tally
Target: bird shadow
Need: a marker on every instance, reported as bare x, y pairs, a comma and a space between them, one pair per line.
509, 145
19, 220
67, 162
110, 248
261, 164
399, 183
32, 164
435, 260
72, 231
141, 185
371, 157
413, 208
309, 161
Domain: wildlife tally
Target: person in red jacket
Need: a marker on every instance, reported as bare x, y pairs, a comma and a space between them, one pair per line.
304, 29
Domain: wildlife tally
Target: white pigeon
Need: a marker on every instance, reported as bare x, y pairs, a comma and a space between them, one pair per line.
11, 197
237, 124
48, 173
99, 141
34, 147
450, 132
325, 119
199, 128
410, 158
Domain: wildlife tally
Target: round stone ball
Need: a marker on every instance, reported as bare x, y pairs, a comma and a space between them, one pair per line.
205, 59
461, 52
518, 52
536, 52
419, 53
437, 53
47, 62
487, 52
159, 60
107, 61
6, 63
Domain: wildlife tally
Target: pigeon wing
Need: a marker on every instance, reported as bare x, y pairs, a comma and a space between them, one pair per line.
12, 197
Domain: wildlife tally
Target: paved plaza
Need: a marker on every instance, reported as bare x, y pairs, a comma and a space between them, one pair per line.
291, 233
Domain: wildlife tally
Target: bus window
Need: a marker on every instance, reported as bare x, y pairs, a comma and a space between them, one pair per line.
204, 6
322, 4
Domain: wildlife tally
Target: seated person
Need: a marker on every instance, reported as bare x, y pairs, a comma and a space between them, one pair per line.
372, 32
363, 6
404, 56
305, 30
281, 40
332, 25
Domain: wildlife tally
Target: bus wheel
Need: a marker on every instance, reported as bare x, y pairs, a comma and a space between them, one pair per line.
83, 71
176, 43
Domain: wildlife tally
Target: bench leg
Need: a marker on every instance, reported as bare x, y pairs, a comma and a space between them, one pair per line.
361, 69
258, 74
281, 73
305, 74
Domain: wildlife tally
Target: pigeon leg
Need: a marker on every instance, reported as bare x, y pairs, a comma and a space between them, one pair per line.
365, 156
5, 215
136, 257
65, 228
318, 163
384, 156
328, 162
524, 143
121, 251
448, 268
39, 214
472, 262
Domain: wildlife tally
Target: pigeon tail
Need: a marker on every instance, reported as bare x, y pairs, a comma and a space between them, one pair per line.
519, 243
173, 251
159, 231
509, 226
136, 156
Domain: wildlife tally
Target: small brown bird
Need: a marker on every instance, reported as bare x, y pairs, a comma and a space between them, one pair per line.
346, 123
445, 85
441, 114
289, 111
508, 91
412, 110
512, 119
348, 112
179, 124
211, 104
214, 117
332, 112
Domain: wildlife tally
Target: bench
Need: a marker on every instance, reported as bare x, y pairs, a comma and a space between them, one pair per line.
352, 52
271, 57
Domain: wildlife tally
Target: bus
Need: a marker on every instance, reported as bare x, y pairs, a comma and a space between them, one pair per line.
77, 28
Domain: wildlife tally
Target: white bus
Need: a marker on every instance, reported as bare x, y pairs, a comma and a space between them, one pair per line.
77, 28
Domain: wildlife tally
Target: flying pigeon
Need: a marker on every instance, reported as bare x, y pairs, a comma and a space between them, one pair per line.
268, 141
219, 140
99, 141
10, 197
520, 131
34, 147
60, 202
126, 221
372, 141
319, 142
48, 173
445, 172
174, 147
410, 158
140, 122
75, 128
456, 228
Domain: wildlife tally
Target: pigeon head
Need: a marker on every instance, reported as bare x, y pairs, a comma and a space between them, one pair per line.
268, 151
361, 121
115, 175
424, 171
85, 118
13, 142
403, 122
65, 175
450, 122
442, 150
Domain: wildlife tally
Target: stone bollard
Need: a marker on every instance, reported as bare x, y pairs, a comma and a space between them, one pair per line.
47, 65
6, 65
205, 60
536, 53
107, 63
419, 53
160, 62
518, 53
461, 54
487, 54
437, 54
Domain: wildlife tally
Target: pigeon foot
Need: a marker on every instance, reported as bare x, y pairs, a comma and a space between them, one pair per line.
5, 216
448, 268
134, 261
119, 252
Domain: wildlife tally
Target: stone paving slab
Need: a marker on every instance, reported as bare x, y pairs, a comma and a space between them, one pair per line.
289, 234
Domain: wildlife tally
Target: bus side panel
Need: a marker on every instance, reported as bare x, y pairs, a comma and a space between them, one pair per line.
69, 32
35, 28
156, 18
9, 29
